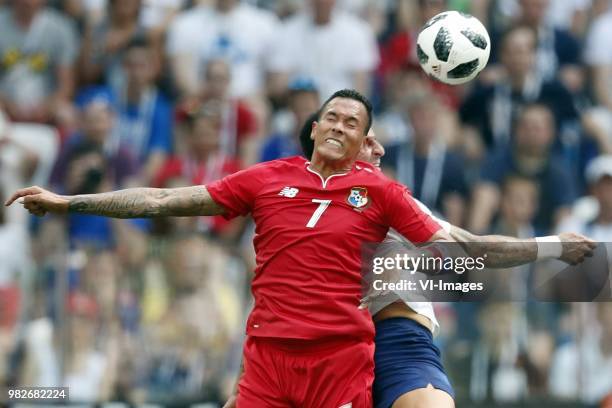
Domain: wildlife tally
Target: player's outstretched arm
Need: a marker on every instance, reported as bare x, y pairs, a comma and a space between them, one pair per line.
130, 203
504, 251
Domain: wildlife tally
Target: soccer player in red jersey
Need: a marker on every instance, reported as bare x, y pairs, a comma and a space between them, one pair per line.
309, 344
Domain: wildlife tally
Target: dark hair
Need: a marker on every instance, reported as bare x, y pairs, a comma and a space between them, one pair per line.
539, 107
350, 94
138, 41
507, 33
208, 110
305, 141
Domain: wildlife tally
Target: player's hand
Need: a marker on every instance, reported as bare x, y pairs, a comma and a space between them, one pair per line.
231, 402
39, 201
576, 247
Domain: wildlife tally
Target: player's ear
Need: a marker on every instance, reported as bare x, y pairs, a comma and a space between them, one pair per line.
313, 129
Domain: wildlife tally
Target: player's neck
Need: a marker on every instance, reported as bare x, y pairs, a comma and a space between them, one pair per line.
326, 168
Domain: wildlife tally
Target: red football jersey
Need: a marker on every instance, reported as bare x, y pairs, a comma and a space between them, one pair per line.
308, 239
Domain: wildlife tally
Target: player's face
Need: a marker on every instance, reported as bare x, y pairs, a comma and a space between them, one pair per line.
371, 150
339, 133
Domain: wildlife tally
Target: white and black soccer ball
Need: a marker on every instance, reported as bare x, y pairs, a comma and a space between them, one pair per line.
453, 47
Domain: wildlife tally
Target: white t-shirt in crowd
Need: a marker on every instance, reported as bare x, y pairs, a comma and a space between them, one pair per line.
581, 370
561, 13
153, 12
14, 252
85, 384
329, 54
597, 50
244, 37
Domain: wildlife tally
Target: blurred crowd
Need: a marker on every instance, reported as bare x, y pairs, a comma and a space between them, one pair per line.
97, 95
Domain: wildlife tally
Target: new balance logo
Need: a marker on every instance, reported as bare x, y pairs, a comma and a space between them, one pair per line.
289, 192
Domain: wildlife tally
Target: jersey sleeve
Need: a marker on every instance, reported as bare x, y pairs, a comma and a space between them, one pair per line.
405, 216
237, 192
442, 223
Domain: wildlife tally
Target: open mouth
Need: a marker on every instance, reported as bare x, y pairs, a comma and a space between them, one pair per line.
334, 142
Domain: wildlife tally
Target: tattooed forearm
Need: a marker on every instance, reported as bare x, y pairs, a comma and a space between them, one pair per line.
147, 202
501, 251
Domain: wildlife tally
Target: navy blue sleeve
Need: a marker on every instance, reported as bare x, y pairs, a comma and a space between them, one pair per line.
567, 48
454, 177
555, 95
495, 166
562, 189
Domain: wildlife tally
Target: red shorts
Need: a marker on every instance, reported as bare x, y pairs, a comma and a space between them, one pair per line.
334, 373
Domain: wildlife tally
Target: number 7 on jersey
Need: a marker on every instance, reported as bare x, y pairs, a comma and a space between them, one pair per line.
323, 204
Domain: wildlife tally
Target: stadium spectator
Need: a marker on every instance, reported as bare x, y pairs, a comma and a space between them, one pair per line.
571, 15
230, 29
489, 111
557, 50
87, 171
14, 268
105, 42
26, 166
598, 57
97, 125
157, 15
582, 368
594, 217
86, 13
520, 200
498, 374
187, 352
202, 161
335, 49
392, 124
303, 100
240, 130
530, 156
144, 115
398, 48
38, 47
91, 361
425, 162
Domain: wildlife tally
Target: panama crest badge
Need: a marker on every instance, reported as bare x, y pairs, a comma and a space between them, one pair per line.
358, 197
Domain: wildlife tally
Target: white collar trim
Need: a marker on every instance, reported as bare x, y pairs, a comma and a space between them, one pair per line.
323, 181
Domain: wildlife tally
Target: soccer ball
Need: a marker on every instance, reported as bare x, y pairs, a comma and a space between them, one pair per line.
453, 47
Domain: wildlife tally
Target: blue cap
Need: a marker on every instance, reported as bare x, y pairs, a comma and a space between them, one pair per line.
95, 94
303, 84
